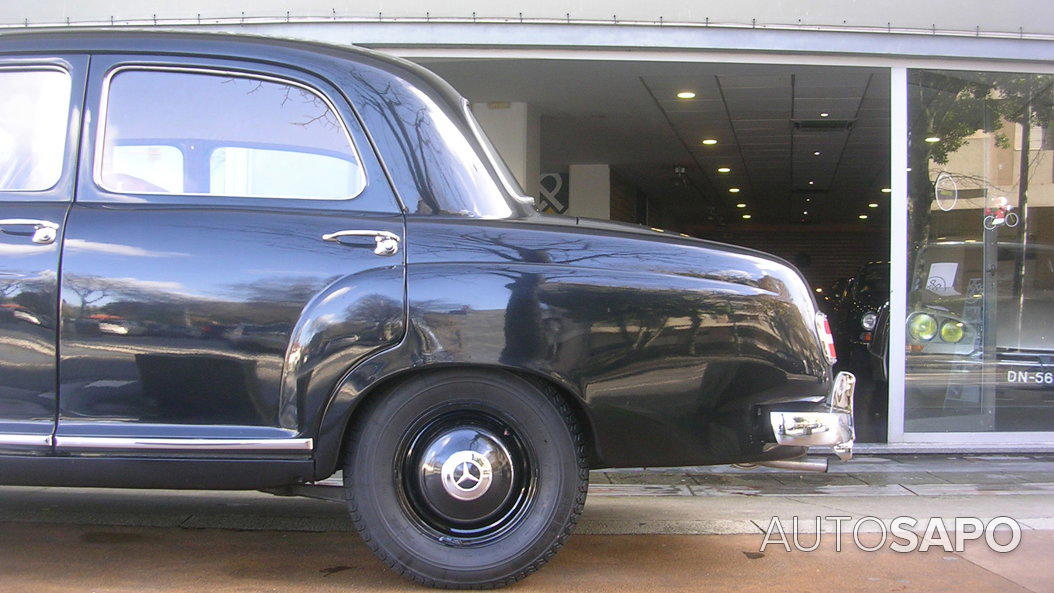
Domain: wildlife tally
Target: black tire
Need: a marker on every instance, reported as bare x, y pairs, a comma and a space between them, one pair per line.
406, 509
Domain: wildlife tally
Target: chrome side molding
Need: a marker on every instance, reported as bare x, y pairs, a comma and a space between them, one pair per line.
26, 440
177, 444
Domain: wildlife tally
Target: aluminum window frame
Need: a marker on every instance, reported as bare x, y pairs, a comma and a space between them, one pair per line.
31, 67
104, 106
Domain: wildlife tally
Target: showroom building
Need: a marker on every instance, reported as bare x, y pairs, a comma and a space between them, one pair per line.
896, 151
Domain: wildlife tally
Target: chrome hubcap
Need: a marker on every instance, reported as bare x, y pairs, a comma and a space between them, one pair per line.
466, 475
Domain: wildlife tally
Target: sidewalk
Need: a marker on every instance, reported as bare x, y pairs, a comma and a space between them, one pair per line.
869, 475
691, 501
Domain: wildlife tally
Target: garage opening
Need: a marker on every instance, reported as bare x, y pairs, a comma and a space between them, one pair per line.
791, 160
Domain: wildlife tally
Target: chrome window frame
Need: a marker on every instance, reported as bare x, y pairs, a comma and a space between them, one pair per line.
100, 132
31, 67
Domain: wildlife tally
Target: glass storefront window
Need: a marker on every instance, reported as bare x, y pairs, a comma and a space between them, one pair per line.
980, 317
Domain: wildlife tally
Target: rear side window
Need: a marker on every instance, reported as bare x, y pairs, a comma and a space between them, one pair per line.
34, 115
204, 132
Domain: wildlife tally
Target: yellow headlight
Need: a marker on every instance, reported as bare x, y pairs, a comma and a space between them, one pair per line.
952, 331
922, 327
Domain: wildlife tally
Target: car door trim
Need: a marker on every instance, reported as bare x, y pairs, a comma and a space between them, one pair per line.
26, 440
175, 444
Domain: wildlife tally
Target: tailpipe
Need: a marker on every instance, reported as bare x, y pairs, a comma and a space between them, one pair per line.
801, 464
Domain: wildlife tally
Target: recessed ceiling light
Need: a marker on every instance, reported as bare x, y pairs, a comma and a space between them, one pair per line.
818, 289
724, 170
808, 199
824, 114
733, 190
933, 139
886, 190
746, 216
862, 217
812, 182
816, 153
709, 141
805, 212
872, 205
686, 95
741, 205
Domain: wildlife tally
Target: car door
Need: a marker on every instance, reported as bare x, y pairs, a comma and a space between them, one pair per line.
40, 100
235, 250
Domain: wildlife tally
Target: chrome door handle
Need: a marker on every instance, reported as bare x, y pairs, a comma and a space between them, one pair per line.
387, 243
44, 231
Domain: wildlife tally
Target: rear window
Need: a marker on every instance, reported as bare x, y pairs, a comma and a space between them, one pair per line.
203, 132
34, 115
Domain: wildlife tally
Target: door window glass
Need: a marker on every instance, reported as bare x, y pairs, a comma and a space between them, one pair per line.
173, 131
240, 171
159, 168
34, 115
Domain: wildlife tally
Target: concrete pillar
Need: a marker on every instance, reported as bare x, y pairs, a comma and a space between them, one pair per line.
590, 191
515, 130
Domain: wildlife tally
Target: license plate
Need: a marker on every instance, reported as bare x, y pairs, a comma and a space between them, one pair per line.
1030, 377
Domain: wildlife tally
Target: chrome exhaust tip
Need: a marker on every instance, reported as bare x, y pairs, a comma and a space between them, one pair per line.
801, 464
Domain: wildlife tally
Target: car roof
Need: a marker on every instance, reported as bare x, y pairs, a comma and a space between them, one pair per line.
224, 45
144, 41
276, 50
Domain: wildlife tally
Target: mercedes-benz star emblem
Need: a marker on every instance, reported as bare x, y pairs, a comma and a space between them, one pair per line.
466, 475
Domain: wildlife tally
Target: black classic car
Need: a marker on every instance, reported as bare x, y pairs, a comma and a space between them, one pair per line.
854, 313
241, 263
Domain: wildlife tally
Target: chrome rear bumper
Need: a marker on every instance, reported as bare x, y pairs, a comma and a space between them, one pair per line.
832, 427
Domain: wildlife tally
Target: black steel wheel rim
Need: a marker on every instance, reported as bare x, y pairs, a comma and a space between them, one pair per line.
464, 476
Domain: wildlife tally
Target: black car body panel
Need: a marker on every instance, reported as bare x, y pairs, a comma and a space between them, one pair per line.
189, 319
865, 293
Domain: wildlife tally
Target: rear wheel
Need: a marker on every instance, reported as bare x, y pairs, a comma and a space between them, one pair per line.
465, 478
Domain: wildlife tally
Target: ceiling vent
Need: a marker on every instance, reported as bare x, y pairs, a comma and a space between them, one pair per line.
823, 125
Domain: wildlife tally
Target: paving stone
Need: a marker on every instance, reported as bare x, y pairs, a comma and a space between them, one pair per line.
805, 490
984, 478
649, 478
638, 490
690, 527
793, 479
975, 489
883, 478
598, 477
746, 480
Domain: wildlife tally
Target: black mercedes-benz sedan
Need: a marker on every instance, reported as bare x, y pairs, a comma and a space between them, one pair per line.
241, 263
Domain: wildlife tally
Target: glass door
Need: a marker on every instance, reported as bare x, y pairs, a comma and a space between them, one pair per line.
979, 319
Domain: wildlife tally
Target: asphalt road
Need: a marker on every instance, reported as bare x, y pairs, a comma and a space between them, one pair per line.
692, 529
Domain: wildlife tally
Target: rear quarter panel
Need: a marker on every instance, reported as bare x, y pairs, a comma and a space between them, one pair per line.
666, 344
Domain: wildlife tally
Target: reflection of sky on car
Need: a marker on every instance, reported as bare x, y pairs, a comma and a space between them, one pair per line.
226, 136
32, 138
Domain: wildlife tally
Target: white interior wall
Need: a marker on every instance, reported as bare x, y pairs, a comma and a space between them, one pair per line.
515, 131
590, 191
